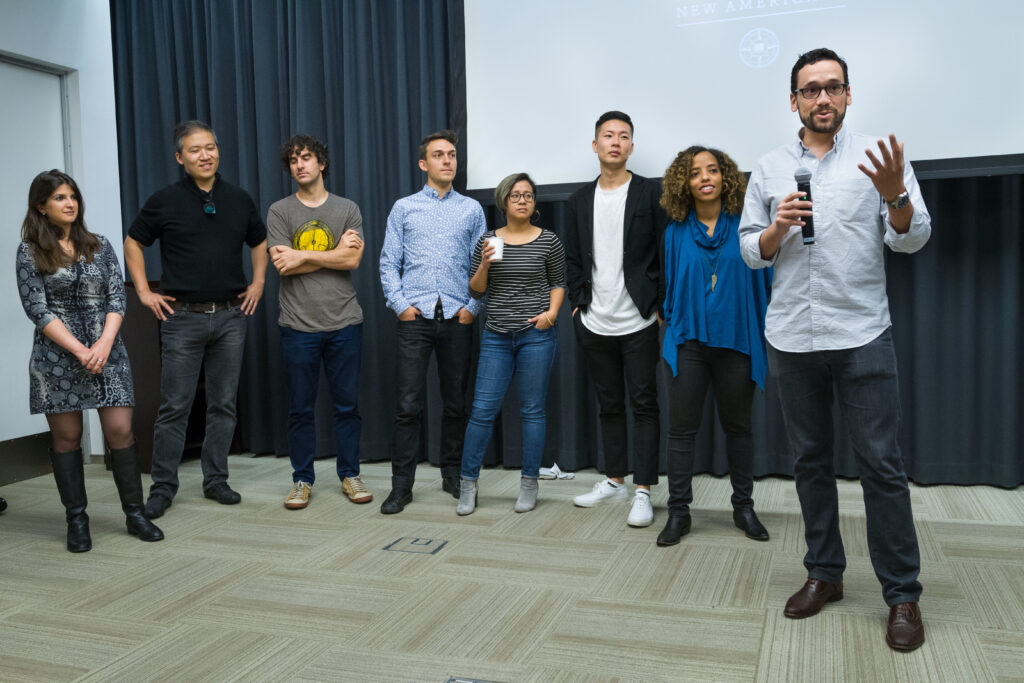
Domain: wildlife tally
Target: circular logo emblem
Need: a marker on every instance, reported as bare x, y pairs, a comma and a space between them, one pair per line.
759, 48
313, 236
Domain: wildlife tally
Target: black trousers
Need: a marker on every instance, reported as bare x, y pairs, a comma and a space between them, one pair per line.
865, 383
452, 343
728, 371
617, 364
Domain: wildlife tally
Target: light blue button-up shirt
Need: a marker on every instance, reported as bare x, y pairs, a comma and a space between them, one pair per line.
829, 295
427, 250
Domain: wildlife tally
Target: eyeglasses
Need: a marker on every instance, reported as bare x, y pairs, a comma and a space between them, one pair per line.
209, 207
516, 196
812, 92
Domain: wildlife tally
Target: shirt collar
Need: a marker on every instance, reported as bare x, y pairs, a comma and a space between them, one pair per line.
837, 141
190, 183
432, 193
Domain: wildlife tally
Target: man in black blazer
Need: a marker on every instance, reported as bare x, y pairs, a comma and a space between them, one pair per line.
613, 233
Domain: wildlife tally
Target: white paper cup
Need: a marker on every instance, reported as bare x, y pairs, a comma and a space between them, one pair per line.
499, 248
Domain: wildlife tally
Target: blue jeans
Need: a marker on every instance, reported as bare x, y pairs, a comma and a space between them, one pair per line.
188, 341
864, 381
339, 352
528, 356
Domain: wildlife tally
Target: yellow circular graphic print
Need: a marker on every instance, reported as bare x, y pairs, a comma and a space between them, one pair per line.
313, 236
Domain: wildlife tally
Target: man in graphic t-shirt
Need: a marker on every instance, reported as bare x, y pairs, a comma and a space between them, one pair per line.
613, 229
315, 242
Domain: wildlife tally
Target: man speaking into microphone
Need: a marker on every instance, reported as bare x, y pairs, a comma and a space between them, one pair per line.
828, 330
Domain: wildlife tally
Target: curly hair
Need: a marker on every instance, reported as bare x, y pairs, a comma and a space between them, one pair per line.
297, 143
676, 198
43, 237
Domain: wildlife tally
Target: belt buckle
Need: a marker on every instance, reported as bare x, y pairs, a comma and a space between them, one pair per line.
212, 309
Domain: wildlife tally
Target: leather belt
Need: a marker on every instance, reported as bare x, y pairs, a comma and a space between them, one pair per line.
202, 306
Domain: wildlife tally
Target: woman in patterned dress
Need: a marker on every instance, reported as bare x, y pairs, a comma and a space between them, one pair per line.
72, 289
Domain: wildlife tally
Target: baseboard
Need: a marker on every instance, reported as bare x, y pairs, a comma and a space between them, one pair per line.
24, 458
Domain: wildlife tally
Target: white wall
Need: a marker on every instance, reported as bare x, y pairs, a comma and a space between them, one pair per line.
73, 35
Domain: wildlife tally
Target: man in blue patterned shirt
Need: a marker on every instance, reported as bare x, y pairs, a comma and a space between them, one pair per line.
424, 270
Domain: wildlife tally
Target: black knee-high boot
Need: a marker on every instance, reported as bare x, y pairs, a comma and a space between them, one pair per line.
69, 472
124, 462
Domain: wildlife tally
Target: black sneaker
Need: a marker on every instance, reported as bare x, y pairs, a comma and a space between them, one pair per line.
223, 494
396, 501
156, 505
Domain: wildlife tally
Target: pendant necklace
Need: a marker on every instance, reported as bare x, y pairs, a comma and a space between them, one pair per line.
712, 265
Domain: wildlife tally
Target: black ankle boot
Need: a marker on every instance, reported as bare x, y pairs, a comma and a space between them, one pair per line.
747, 521
124, 462
676, 527
69, 473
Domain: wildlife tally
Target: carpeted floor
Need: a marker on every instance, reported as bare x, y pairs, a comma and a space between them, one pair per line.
339, 592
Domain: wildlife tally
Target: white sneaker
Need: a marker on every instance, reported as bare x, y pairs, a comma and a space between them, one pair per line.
641, 512
604, 491
554, 472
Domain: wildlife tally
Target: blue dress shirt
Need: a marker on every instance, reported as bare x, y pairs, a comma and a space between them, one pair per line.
427, 251
829, 295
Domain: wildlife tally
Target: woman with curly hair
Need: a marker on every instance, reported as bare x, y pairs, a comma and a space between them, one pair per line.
72, 289
714, 329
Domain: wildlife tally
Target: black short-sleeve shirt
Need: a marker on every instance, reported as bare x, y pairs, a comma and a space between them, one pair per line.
200, 252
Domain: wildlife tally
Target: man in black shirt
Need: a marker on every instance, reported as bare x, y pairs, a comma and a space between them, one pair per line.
202, 223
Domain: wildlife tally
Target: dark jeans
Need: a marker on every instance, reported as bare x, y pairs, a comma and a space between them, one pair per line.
616, 364
339, 352
729, 372
865, 383
528, 356
452, 343
188, 340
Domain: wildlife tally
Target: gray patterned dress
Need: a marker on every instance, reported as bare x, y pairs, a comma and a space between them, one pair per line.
80, 295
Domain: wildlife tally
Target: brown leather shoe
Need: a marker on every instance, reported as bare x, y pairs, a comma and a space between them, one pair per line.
809, 600
905, 631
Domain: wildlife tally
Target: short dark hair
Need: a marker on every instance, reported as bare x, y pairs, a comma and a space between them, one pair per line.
449, 135
821, 54
186, 128
613, 116
297, 143
504, 189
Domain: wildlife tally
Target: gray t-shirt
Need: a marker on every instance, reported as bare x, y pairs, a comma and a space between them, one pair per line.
324, 300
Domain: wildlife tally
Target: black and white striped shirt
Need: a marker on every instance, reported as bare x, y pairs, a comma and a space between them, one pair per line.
519, 286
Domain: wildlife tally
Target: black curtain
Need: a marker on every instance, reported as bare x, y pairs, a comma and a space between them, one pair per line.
369, 78
372, 77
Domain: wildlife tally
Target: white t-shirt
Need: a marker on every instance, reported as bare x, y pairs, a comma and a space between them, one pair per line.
611, 311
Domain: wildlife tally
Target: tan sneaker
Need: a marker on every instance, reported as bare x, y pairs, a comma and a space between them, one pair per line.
299, 497
356, 491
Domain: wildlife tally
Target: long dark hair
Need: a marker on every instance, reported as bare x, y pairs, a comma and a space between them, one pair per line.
43, 237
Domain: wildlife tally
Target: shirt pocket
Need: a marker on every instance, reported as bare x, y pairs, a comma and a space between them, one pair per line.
855, 199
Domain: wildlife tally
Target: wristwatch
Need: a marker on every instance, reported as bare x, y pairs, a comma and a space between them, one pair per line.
901, 200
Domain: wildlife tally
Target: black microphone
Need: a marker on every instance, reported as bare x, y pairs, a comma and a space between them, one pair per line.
803, 184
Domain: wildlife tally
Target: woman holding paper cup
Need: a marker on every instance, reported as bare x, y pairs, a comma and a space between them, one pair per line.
520, 268
714, 329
